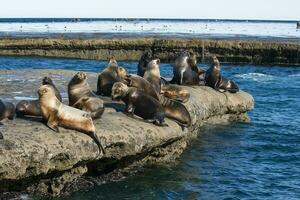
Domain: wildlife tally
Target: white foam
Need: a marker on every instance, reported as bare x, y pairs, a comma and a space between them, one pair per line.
19, 98
294, 75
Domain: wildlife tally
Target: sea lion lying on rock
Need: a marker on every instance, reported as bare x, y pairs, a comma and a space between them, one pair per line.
57, 114
7, 110
32, 107
173, 109
214, 79
82, 97
108, 77
139, 103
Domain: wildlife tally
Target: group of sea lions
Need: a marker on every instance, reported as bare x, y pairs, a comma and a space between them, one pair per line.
146, 95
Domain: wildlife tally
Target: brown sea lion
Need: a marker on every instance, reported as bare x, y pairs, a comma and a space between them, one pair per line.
143, 62
176, 111
175, 92
108, 77
139, 103
7, 110
78, 87
82, 97
171, 91
32, 107
93, 105
214, 79
152, 74
185, 70
55, 113
142, 84
173, 109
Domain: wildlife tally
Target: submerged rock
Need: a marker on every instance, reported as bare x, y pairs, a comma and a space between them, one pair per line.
39, 161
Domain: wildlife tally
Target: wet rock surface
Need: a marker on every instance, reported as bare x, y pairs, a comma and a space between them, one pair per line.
39, 161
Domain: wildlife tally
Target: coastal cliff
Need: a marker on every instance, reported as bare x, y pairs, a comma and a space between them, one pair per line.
259, 52
36, 160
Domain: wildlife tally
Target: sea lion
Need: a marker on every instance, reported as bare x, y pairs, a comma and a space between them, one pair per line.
93, 105
7, 110
82, 97
173, 109
108, 77
143, 62
152, 74
176, 111
32, 107
78, 87
55, 113
142, 84
139, 103
171, 91
185, 70
214, 79
175, 92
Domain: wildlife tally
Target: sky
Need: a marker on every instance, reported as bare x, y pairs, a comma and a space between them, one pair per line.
195, 9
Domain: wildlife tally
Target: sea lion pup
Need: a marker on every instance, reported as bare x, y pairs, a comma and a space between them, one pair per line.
7, 110
143, 62
214, 79
139, 103
152, 74
108, 77
82, 97
32, 107
55, 113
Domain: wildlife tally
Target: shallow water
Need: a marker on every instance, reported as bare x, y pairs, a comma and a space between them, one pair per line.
259, 160
153, 27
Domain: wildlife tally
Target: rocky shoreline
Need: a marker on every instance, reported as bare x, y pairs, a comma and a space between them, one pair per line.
35, 160
238, 51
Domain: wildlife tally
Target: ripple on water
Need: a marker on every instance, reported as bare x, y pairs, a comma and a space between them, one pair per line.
259, 160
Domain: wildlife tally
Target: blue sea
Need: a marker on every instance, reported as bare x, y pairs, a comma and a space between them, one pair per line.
259, 160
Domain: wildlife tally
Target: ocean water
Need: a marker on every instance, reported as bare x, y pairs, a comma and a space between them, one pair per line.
259, 160
150, 27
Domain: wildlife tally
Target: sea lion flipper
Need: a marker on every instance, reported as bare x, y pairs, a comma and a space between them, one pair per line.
53, 127
52, 123
94, 136
130, 108
1, 136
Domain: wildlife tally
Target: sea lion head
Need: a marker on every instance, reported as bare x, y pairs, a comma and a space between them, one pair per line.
153, 64
112, 62
78, 78
46, 91
192, 59
47, 81
121, 72
215, 63
118, 91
